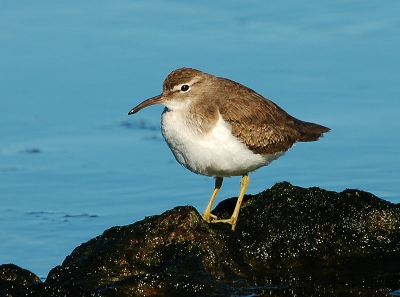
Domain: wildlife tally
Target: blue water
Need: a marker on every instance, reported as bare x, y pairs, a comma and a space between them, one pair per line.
72, 163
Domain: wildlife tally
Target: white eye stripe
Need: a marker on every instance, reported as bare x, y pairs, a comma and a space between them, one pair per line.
189, 84
179, 87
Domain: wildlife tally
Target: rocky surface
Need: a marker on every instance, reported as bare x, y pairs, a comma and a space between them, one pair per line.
289, 241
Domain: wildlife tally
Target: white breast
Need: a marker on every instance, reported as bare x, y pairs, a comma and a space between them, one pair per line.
216, 153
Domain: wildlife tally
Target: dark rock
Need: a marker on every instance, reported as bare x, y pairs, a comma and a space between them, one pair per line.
14, 278
301, 228
174, 253
289, 241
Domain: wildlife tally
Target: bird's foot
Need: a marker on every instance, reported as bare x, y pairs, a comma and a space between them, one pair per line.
232, 220
229, 221
209, 217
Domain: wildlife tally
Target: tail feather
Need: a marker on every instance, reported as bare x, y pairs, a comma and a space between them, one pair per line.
310, 131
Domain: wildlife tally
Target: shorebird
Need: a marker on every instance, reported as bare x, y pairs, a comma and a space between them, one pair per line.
219, 128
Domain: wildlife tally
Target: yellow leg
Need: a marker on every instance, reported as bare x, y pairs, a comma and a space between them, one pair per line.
244, 182
207, 212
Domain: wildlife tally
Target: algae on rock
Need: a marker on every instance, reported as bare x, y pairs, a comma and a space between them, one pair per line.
288, 241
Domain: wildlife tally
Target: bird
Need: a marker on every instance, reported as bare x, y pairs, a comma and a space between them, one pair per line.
219, 128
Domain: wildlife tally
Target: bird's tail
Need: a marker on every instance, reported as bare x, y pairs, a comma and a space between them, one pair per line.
310, 131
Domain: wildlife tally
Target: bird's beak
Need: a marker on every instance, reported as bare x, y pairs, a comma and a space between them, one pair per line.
154, 100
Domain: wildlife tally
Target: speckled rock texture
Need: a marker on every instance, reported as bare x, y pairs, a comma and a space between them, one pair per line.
289, 241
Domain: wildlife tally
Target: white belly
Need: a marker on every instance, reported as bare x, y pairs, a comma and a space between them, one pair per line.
216, 153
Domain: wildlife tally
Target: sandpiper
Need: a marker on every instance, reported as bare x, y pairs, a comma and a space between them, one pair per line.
220, 128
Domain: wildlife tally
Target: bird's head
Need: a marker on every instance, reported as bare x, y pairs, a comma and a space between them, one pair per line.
181, 87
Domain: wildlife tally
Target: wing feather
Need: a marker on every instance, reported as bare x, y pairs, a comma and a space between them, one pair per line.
260, 124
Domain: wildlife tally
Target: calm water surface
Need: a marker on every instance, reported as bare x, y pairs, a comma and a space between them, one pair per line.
72, 163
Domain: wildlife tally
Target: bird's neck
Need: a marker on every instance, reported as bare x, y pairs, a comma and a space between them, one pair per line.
198, 118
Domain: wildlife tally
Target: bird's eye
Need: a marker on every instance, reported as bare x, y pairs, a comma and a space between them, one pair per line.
185, 88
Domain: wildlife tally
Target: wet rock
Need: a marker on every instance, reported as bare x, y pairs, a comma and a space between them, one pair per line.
289, 241
142, 259
14, 278
301, 228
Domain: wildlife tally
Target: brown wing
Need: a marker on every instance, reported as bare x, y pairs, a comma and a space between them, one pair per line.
261, 124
